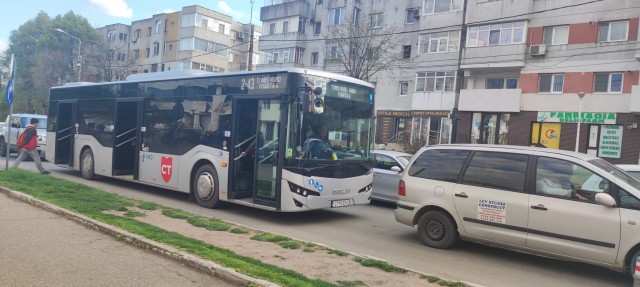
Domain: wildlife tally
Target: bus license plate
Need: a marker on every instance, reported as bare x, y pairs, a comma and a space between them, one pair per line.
340, 203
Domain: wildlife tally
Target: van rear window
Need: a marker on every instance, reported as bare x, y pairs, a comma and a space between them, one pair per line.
439, 164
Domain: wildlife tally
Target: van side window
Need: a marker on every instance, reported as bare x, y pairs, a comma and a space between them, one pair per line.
627, 200
561, 178
497, 170
385, 162
439, 164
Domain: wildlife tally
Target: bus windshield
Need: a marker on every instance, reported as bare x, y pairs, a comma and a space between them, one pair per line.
331, 128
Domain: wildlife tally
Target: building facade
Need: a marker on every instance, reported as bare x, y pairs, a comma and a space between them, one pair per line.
490, 71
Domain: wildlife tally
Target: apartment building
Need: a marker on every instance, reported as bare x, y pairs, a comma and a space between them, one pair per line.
493, 72
193, 38
116, 43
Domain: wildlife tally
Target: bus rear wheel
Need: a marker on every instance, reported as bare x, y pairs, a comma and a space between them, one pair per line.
205, 187
87, 164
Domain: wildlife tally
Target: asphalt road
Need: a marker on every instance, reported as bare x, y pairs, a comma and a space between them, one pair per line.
371, 230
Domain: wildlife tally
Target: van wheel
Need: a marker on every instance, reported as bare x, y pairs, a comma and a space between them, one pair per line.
437, 230
3, 148
205, 187
632, 263
87, 165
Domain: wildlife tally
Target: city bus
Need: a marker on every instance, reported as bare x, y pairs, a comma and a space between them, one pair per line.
281, 140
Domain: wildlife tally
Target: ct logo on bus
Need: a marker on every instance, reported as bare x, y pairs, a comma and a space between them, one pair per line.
166, 168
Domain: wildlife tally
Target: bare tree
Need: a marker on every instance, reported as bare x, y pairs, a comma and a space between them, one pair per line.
109, 60
362, 49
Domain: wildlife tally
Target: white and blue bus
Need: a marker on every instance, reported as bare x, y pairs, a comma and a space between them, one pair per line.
281, 140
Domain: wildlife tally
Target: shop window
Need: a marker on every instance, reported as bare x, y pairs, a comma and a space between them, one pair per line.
605, 141
489, 128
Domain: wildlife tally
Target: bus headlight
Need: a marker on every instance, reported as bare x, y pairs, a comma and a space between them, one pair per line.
299, 190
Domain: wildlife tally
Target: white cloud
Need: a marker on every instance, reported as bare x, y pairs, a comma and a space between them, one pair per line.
4, 45
225, 8
115, 8
167, 11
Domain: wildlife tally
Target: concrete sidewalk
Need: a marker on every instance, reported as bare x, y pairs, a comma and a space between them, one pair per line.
40, 248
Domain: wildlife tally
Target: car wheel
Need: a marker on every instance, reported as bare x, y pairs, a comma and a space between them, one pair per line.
205, 187
3, 148
632, 263
87, 165
437, 230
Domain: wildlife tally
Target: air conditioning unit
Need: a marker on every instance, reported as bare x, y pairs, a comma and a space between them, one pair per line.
134, 39
537, 50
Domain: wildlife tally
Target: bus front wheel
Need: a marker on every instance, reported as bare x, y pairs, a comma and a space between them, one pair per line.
87, 164
205, 187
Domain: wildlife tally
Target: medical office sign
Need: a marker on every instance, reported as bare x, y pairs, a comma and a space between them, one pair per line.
573, 117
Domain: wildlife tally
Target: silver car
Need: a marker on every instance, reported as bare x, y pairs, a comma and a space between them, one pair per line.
387, 171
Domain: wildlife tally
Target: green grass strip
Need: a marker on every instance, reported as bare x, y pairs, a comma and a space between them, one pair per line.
148, 205
133, 214
239, 230
290, 244
383, 265
269, 237
209, 223
92, 202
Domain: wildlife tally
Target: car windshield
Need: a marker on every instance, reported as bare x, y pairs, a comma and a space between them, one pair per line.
617, 172
42, 122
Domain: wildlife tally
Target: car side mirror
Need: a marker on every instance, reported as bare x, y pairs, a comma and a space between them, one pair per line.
396, 168
605, 199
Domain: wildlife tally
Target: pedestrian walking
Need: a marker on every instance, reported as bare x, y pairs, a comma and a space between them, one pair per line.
29, 144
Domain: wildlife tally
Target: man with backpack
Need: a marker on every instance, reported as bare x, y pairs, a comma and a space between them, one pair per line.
27, 141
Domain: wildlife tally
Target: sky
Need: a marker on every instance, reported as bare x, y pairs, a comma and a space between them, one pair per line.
105, 12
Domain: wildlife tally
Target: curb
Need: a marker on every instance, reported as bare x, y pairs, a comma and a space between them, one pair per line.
208, 267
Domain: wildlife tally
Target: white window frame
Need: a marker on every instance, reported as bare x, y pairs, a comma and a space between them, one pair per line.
158, 26
474, 42
425, 12
504, 82
553, 83
626, 33
375, 20
285, 27
553, 34
610, 75
427, 37
272, 28
315, 58
434, 75
332, 16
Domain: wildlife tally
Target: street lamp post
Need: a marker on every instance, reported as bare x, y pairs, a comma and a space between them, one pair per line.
581, 96
79, 51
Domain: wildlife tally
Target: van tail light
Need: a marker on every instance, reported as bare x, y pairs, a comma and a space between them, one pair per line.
401, 189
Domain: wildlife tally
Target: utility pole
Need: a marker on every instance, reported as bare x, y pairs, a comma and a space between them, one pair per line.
459, 74
250, 56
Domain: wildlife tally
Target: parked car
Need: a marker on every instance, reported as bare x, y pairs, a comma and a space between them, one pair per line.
18, 123
387, 170
548, 202
632, 169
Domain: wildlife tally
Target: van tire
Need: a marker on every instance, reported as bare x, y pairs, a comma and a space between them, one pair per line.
205, 187
87, 165
632, 262
436, 229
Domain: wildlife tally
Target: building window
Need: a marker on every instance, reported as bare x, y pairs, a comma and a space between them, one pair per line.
411, 16
137, 33
122, 57
356, 15
149, 31
435, 81
158, 26
314, 58
333, 51
156, 48
136, 54
336, 16
406, 51
285, 27
438, 42
301, 26
551, 83
613, 31
111, 35
148, 52
489, 128
496, 34
316, 28
437, 6
376, 20
502, 83
608, 83
272, 28
124, 36
558, 35
221, 28
404, 88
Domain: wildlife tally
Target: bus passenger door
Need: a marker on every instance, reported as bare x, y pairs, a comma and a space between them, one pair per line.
126, 138
65, 133
267, 151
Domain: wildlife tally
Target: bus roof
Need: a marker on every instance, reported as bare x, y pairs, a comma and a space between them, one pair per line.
191, 74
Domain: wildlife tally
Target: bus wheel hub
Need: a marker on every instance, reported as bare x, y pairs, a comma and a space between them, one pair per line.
206, 186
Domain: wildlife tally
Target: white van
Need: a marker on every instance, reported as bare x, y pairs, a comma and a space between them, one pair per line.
18, 123
555, 203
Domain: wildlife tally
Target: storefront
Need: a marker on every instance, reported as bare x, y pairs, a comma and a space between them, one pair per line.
391, 125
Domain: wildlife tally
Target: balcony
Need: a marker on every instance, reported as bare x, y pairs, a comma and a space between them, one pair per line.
287, 9
490, 100
494, 57
433, 101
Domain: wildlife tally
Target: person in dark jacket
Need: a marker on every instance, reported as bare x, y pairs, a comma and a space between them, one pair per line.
30, 145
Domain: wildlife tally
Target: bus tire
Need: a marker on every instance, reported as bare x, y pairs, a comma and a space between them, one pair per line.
205, 187
87, 165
